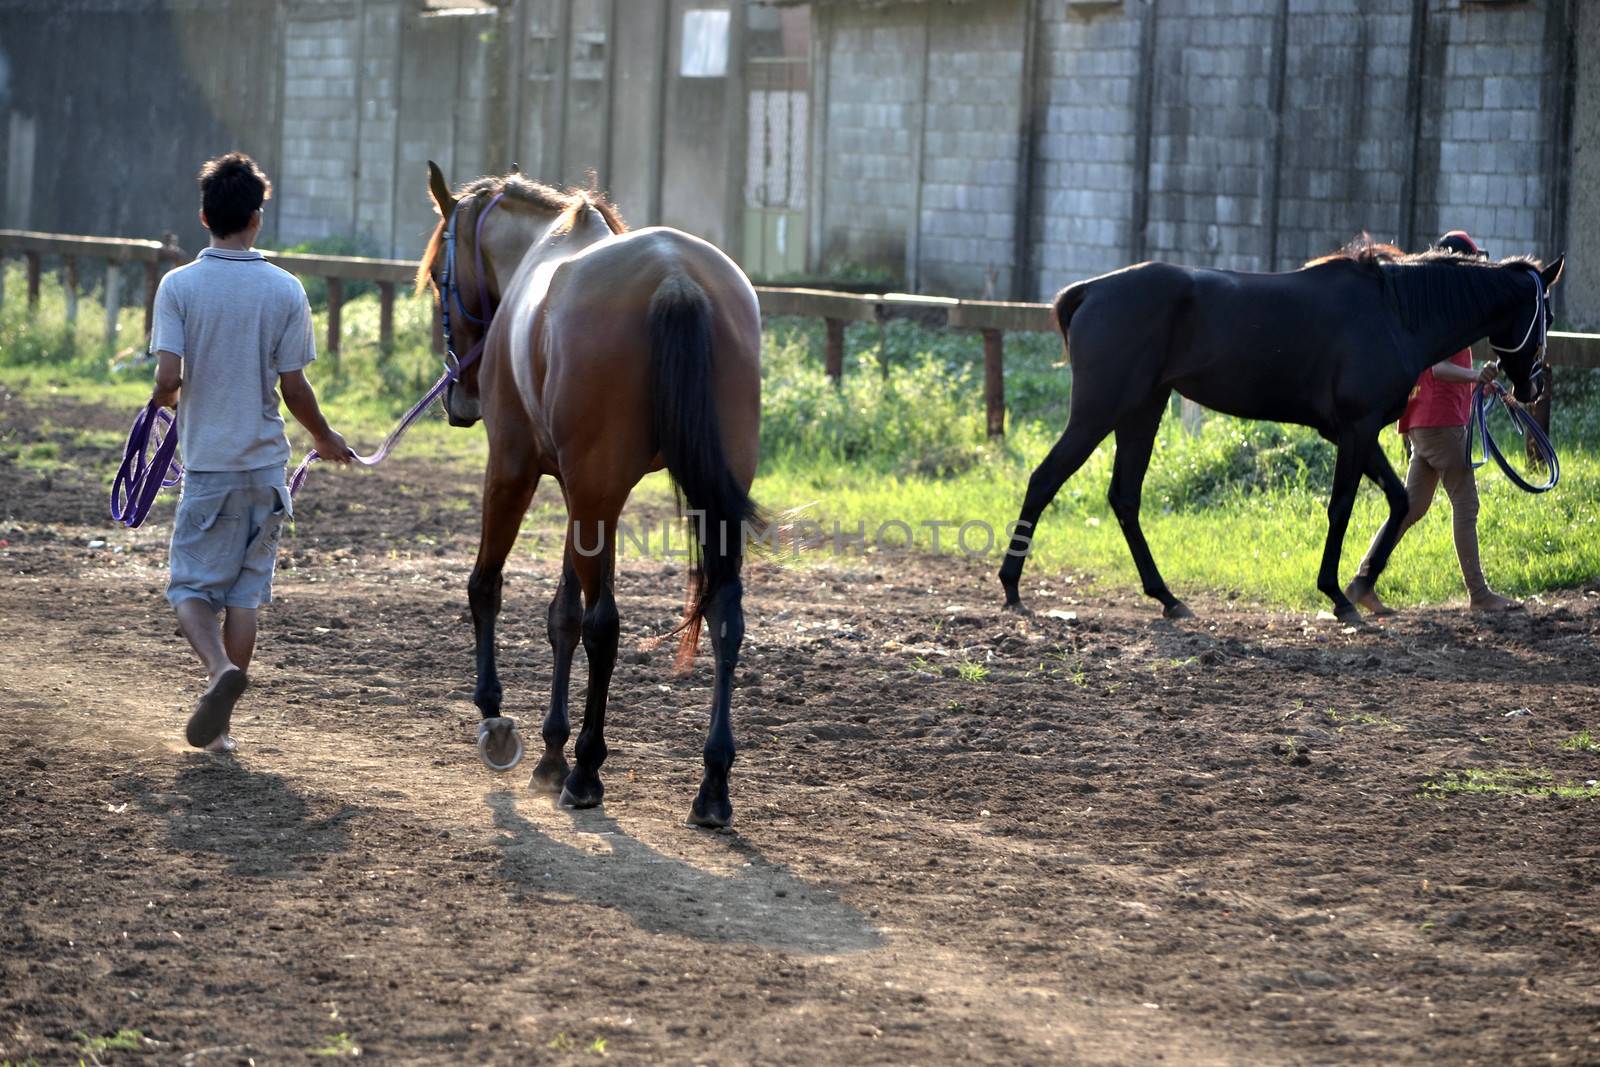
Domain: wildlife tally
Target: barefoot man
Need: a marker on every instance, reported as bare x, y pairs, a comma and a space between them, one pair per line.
231, 331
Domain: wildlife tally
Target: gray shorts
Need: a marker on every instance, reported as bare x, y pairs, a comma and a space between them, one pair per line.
225, 537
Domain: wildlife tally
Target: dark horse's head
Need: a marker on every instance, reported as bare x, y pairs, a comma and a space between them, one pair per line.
1519, 337
1458, 299
474, 247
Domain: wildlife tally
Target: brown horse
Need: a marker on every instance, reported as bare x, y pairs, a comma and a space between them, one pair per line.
606, 354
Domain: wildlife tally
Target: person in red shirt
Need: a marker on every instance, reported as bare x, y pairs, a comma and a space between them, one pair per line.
1435, 420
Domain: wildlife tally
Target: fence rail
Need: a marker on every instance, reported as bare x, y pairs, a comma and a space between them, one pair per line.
991, 319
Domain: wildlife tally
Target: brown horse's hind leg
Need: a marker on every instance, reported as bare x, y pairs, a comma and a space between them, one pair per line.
591, 545
1136, 436
565, 629
508, 489
725, 614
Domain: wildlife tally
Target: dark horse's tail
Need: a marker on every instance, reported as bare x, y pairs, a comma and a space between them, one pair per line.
690, 437
1067, 302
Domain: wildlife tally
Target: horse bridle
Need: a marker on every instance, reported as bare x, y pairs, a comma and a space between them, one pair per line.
450, 292
1542, 322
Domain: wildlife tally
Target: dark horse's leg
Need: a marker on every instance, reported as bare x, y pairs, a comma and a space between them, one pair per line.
565, 622
591, 544
508, 489
1136, 436
1355, 448
1394, 490
725, 614
1076, 444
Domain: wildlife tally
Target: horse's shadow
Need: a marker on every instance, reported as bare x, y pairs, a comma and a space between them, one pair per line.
260, 825
758, 903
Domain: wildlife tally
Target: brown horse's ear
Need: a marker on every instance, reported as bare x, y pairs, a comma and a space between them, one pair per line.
442, 199
1552, 274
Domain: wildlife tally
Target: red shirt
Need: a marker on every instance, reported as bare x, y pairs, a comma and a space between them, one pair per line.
1436, 403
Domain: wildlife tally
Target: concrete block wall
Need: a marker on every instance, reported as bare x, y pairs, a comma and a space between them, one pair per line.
1347, 136
313, 191
875, 94
1210, 141
970, 145
1085, 150
1492, 89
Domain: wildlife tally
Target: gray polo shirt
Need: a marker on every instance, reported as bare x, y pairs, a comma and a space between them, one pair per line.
237, 322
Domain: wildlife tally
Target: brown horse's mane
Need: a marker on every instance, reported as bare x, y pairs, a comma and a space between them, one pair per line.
570, 202
1431, 283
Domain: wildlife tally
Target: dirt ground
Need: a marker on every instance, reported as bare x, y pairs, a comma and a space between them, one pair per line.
1128, 841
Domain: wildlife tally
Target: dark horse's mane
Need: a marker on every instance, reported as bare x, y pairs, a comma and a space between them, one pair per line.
1437, 284
569, 202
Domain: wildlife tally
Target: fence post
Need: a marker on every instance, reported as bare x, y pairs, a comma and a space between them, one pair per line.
386, 317
69, 287
438, 332
994, 380
113, 298
335, 305
834, 359
33, 280
169, 252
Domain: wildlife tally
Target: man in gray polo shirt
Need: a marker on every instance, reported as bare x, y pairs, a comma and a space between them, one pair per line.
231, 330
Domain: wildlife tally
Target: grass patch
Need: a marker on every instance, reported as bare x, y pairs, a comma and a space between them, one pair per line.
1362, 718
972, 671
121, 1041
1582, 741
1507, 781
339, 1045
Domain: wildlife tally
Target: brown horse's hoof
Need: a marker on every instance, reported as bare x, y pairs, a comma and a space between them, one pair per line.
1350, 616
1177, 610
1016, 607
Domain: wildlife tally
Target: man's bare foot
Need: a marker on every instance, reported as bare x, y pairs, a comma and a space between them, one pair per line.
214, 710
1495, 604
1365, 596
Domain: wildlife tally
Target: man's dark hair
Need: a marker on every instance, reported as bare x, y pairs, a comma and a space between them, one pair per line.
232, 187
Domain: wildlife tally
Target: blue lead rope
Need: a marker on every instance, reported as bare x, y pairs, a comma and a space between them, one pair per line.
144, 473
1526, 427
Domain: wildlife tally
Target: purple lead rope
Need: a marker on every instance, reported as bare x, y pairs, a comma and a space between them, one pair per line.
298, 479
144, 474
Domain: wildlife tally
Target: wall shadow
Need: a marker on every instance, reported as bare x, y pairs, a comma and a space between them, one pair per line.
761, 904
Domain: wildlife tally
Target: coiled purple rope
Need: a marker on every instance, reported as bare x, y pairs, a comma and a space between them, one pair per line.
142, 474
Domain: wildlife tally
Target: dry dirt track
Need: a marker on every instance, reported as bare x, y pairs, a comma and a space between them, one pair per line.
1100, 853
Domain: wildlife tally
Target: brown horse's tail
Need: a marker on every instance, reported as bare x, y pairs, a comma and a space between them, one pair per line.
689, 434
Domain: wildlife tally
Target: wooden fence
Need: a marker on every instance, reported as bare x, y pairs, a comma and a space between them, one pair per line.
991, 319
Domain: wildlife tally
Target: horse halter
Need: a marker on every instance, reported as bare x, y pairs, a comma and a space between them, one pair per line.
450, 291
1542, 322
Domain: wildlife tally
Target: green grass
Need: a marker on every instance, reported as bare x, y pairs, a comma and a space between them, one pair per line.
971, 671
121, 1041
338, 1045
1582, 741
1506, 781
1238, 508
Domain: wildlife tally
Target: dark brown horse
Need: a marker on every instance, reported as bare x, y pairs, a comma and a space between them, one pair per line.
606, 354
1335, 346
